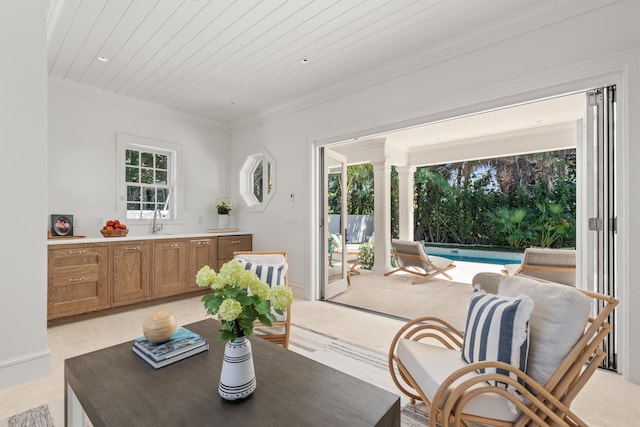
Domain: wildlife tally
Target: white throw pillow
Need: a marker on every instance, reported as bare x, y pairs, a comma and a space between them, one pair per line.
558, 320
497, 330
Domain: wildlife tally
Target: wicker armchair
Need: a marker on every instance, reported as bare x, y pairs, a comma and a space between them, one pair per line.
279, 332
426, 364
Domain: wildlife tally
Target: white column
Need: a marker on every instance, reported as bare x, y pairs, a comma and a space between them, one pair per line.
382, 217
405, 202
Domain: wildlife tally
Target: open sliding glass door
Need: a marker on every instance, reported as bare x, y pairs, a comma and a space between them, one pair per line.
334, 206
601, 237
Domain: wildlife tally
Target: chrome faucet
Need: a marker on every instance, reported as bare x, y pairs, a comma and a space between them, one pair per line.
155, 227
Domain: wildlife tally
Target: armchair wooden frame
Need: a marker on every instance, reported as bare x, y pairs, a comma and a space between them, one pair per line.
549, 403
276, 338
417, 262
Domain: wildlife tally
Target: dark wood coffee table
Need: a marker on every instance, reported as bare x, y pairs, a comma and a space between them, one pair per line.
114, 387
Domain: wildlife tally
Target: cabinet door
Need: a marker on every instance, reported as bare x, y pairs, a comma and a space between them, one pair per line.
131, 272
169, 267
77, 281
227, 245
201, 252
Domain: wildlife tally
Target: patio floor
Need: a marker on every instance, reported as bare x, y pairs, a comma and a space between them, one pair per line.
394, 295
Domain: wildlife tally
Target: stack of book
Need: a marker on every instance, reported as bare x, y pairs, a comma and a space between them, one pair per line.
183, 343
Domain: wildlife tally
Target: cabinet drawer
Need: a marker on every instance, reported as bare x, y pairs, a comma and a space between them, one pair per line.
227, 245
78, 293
74, 261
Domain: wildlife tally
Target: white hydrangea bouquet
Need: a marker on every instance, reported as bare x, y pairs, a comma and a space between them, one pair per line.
240, 298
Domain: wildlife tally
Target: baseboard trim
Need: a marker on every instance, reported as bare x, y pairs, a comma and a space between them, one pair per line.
20, 370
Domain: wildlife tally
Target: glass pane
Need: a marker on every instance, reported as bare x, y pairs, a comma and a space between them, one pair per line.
162, 195
132, 157
147, 159
133, 174
133, 206
149, 195
161, 177
161, 161
150, 206
146, 176
257, 182
133, 194
269, 174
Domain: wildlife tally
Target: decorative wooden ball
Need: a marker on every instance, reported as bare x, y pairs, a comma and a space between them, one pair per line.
159, 326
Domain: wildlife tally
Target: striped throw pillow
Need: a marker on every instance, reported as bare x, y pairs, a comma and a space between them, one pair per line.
272, 275
497, 330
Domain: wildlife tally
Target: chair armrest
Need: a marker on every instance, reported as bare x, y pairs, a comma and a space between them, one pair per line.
418, 329
534, 401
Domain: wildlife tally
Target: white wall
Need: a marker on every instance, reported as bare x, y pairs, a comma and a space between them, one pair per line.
82, 158
23, 137
561, 58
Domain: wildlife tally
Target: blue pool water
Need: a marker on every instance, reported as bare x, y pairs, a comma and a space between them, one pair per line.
471, 255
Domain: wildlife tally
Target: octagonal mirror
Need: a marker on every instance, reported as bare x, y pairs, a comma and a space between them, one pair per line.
257, 180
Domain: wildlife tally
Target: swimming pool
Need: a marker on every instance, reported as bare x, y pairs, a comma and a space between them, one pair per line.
475, 255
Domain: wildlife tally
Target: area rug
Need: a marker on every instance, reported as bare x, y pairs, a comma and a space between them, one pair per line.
361, 363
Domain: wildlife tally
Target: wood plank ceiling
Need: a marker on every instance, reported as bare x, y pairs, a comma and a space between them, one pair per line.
230, 60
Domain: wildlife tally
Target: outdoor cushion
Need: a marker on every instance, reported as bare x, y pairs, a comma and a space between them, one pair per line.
440, 262
442, 363
497, 329
558, 320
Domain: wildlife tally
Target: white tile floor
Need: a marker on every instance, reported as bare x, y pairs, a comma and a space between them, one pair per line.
607, 400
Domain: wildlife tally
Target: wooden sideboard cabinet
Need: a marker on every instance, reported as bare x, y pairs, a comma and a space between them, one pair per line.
86, 277
78, 280
169, 267
227, 245
131, 267
201, 252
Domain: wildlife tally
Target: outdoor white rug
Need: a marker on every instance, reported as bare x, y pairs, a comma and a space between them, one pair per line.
358, 362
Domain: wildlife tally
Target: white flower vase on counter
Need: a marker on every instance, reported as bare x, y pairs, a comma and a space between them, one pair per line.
237, 377
223, 221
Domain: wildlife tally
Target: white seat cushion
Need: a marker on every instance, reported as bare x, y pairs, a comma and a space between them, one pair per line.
558, 320
440, 262
430, 365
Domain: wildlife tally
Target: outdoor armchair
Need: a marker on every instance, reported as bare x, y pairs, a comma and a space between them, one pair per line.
427, 357
271, 267
554, 265
412, 258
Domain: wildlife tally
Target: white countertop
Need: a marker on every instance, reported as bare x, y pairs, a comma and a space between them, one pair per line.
81, 240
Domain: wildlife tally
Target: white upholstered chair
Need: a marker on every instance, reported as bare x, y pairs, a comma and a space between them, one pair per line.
271, 267
428, 358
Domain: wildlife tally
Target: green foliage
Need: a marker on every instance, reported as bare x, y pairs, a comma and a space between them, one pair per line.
515, 201
366, 255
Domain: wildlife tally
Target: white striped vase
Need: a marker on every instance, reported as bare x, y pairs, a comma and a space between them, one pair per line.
237, 377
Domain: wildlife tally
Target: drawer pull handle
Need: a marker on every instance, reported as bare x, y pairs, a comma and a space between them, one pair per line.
76, 251
235, 242
203, 243
132, 249
171, 245
75, 279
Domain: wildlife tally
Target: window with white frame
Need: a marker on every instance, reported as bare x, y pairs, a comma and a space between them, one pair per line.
148, 178
257, 180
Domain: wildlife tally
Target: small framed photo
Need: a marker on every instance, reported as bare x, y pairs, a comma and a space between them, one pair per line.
61, 225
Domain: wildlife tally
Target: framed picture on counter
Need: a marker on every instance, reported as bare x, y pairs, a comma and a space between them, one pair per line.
61, 225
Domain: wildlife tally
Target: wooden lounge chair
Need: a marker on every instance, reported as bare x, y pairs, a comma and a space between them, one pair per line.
554, 265
564, 350
412, 258
280, 330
